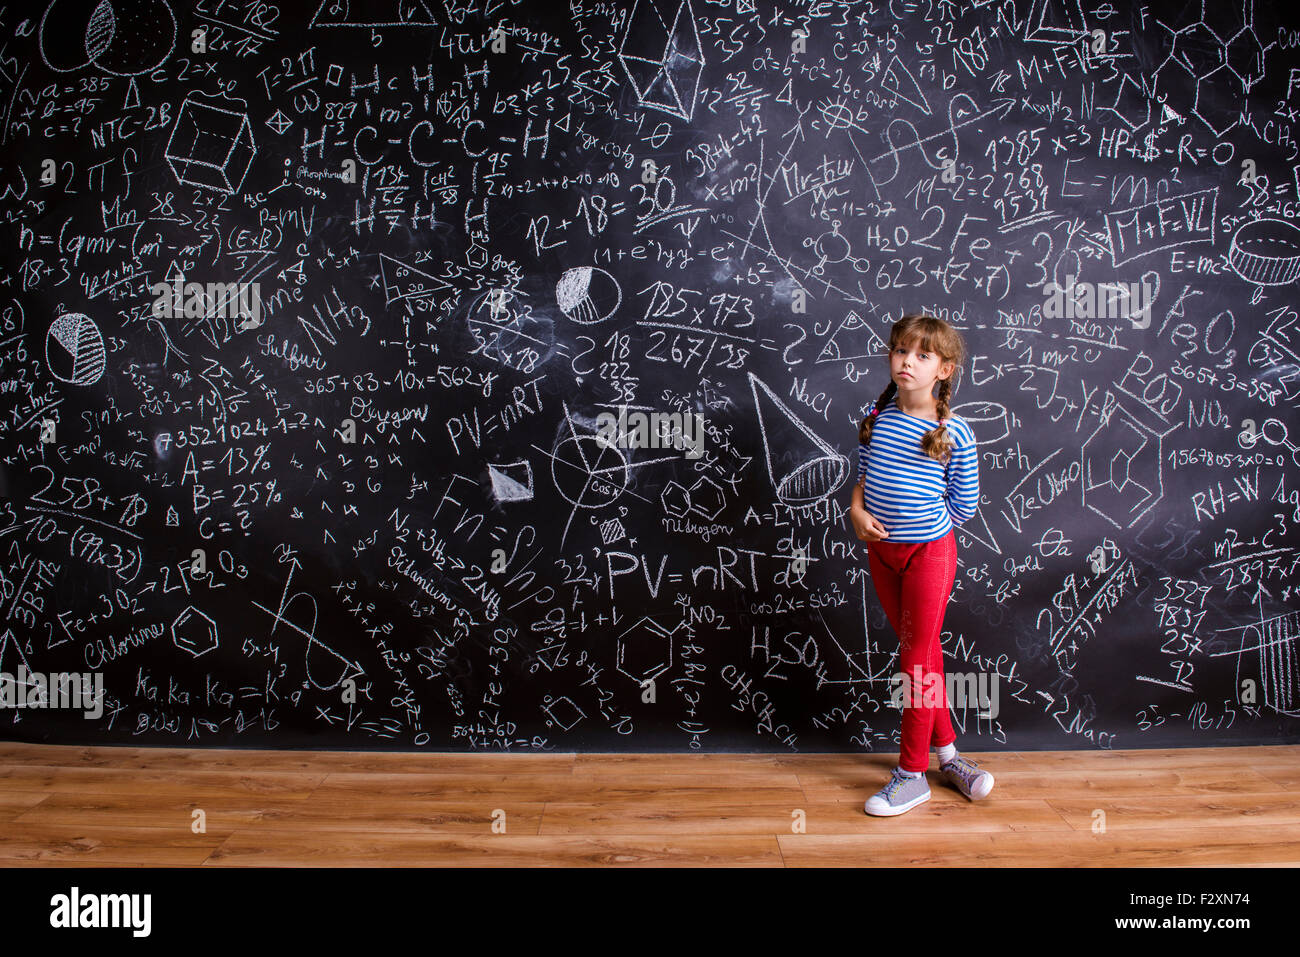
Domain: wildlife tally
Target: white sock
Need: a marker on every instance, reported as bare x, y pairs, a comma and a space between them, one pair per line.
948, 752
912, 774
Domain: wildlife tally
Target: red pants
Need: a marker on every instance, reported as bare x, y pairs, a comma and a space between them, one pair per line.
913, 581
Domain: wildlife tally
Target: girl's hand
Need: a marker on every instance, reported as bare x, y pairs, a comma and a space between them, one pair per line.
865, 526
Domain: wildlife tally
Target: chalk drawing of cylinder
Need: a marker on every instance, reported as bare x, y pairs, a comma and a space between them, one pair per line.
1279, 663
1266, 251
802, 467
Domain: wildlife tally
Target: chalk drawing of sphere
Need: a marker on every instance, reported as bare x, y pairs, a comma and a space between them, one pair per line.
588, 472
832, 247
74, 349
588, 294
838, 116
122, 37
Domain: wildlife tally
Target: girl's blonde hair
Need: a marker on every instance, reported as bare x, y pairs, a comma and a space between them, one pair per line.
934, 335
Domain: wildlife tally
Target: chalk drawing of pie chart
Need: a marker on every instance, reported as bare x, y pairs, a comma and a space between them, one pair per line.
587, 472
588, 294
74, 349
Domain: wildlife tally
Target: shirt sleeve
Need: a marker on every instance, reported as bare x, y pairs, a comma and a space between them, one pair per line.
862, 462
963, 494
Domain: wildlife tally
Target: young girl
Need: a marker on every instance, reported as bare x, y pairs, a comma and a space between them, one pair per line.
918, 476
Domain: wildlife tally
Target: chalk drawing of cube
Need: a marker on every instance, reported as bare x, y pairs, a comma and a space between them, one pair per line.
211, 147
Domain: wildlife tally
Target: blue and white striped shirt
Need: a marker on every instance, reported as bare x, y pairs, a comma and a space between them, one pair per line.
916, 498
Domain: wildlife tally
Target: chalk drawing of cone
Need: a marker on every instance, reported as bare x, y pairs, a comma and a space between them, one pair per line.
802, 467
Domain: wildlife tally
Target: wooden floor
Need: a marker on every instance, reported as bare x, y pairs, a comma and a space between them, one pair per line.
84, 806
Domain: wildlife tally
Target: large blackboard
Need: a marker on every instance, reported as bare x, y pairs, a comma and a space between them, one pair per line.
375, 509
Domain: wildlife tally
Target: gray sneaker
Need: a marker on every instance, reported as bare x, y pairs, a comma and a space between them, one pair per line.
900, 794
967, 777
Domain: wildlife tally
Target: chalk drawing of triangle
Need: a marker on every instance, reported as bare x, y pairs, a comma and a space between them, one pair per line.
373, 13
854, 339
984, 535
404, 282
507, 489
11, 655
903, 85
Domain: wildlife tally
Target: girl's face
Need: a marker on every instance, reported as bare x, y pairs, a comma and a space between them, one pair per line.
916, 370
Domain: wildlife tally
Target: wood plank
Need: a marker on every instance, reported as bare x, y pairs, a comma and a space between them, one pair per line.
197, 784
314, 848
1264, 844
1174, 810
732, 780
105, 846
533, 787
1285, 755
326, 813
1119, 782
195, 759
683, 763
223, 813
20, 801
937, 816
89, 806
1280, 773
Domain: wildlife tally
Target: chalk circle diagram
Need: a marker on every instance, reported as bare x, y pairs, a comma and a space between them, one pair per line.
122, 37
74, 349
1265, 252
802, 467
587, 472
588, 294
831, 247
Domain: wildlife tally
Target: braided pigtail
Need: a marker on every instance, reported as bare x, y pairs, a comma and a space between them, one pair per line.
937, 443
869, 422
